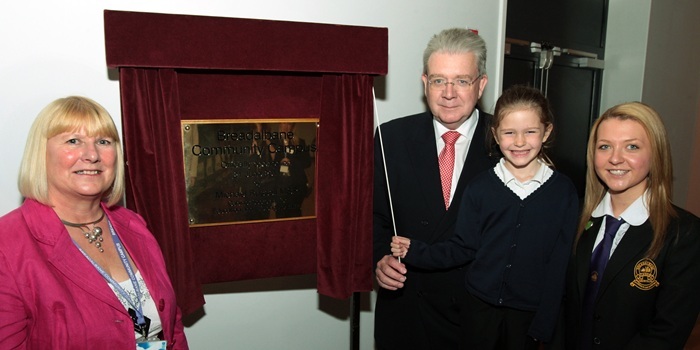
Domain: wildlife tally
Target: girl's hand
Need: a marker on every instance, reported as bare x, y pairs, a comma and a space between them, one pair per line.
399, 246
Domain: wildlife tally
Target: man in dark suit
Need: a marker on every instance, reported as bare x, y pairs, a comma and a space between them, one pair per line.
418, 309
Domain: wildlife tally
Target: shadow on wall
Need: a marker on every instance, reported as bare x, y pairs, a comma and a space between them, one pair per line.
337, 308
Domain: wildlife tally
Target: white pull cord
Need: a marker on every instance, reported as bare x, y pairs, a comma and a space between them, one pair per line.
386, 175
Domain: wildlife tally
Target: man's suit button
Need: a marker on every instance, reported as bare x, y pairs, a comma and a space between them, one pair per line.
596, 341
424, 223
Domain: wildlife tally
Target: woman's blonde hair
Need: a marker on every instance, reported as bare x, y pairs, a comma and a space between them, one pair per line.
660, 175
66, 115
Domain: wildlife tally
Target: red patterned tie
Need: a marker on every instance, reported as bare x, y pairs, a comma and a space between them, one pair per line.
447, 164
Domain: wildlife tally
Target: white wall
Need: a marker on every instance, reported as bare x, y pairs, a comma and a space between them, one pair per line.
52, 49
625, 52
672, 86
651, 55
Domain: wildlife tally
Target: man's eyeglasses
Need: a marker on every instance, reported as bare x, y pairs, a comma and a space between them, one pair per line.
441, 83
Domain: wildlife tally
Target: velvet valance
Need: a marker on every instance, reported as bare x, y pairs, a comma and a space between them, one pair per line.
175, 67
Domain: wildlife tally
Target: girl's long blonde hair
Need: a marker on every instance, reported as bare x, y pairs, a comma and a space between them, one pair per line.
660, 175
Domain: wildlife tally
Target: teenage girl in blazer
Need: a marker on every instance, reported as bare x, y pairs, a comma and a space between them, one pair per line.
648, 293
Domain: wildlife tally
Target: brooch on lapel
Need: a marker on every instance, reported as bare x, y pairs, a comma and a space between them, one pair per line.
645, 275
588, 225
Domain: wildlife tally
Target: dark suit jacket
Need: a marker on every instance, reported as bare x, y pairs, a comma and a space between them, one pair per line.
423, 314
625, 315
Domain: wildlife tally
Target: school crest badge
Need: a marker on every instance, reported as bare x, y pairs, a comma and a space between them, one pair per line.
645, 275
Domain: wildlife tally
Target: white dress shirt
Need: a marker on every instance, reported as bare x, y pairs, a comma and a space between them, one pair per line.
635, 215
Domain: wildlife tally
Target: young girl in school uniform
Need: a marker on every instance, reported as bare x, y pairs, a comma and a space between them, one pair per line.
515, 231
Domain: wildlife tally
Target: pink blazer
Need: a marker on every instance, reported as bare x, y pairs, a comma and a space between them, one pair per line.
51, 297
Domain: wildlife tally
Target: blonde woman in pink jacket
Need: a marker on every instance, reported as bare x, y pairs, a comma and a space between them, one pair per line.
76, 270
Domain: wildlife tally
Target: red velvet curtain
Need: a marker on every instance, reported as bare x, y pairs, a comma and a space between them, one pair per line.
156, 189
154, 171
345, 168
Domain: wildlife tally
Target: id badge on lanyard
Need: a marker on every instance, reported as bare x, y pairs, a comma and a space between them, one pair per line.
142, 323
152, 345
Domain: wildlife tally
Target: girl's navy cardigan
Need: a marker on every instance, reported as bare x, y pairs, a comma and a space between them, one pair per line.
516, 250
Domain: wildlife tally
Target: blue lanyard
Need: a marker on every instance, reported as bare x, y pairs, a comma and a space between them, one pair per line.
125, 261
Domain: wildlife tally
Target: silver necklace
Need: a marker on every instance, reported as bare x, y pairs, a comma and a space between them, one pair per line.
93, 236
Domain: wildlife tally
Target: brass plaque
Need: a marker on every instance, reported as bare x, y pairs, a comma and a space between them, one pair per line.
249, 170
